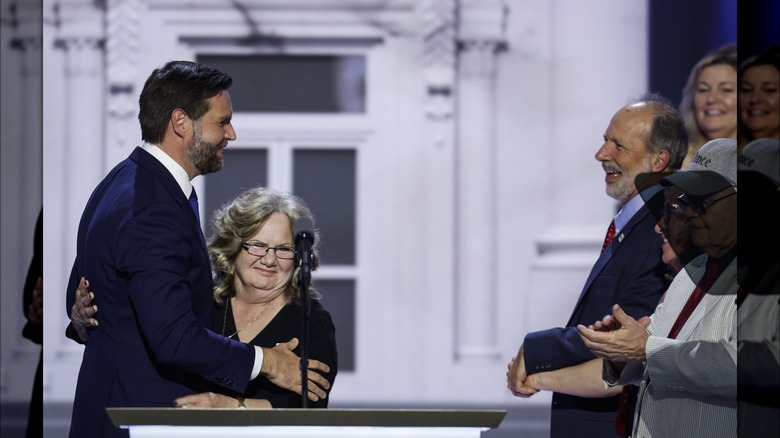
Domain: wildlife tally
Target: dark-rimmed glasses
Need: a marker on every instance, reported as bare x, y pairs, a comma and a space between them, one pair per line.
260, 249
698, 205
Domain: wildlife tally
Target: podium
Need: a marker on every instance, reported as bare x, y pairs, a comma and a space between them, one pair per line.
303, 423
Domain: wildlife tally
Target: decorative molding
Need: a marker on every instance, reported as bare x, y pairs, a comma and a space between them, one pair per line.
479, 58
76, 43
439, 33
286, 5
123, 51
25, 20
82, 55
27, 44
80, 34
76, 18
483, 20
123, 55
269, 20
482, 34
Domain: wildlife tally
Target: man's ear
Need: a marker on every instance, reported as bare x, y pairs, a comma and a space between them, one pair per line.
661, 161
180, 121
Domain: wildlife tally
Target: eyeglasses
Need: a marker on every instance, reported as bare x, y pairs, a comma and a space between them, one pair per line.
698, 205
259, 249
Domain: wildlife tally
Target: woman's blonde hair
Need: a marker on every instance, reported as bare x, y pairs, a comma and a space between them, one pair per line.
725, 55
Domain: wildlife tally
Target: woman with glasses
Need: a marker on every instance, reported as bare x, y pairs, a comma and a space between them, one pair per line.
256, 296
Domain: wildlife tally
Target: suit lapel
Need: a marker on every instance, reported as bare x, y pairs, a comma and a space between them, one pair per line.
612, 250
147, 161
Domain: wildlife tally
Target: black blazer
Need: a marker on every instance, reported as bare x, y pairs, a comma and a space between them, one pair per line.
285, 326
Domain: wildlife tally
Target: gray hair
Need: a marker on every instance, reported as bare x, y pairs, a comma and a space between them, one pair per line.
667, 131
241, 219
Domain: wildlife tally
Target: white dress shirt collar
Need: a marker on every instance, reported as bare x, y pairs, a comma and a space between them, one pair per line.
632, 206
178, 172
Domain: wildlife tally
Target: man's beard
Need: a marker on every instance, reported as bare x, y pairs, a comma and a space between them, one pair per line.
203, 155
625, 187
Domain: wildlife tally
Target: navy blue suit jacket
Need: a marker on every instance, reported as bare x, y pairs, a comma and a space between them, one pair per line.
141, 248
629, 273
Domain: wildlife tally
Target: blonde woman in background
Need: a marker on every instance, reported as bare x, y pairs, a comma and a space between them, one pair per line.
709, 99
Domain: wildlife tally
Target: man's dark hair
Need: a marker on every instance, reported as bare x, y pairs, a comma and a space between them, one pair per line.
177, 84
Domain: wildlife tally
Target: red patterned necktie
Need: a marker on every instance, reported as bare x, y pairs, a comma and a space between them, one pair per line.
610, 235
624, 412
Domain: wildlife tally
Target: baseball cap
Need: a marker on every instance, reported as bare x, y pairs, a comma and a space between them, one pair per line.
762, 155
713, 169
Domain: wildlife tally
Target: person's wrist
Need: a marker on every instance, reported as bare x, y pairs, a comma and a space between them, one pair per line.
81, 332
266, 360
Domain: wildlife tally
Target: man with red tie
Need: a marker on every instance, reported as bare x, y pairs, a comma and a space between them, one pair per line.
647, 136
685, 361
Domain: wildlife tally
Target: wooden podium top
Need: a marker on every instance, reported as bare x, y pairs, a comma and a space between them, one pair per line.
306, 417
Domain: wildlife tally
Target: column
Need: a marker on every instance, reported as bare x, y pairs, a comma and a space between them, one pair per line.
123, 53
74, 159
83, 134
481, 29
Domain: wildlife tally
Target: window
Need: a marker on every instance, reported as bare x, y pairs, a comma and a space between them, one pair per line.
243, 169
294, 84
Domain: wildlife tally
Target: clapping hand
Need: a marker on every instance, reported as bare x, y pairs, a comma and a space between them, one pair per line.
617, 337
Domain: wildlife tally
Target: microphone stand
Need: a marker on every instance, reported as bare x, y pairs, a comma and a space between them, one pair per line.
304, 239
304, 279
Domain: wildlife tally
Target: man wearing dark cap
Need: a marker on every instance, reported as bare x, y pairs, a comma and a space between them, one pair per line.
685, 361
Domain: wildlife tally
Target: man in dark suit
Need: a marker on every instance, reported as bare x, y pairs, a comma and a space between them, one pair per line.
646, 136
141, 246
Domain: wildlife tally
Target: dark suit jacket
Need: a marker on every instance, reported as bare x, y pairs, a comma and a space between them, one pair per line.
629, 273
141, 248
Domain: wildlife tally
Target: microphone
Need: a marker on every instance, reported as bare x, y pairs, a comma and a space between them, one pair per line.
304, 239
